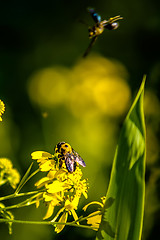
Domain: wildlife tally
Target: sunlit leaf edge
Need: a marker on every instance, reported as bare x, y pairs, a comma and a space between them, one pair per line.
135, 114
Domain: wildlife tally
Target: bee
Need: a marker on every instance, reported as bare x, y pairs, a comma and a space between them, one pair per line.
99, 27
67, 154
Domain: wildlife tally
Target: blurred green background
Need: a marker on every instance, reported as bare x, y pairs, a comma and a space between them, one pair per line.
52, 94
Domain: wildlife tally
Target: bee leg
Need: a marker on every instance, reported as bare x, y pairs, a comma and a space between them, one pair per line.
90, 46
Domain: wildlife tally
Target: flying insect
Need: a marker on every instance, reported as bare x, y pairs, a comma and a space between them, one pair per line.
67, 154
100, 25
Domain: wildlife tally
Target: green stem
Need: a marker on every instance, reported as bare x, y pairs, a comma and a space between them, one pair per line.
34, 173
25, 178
15, 195
26, 203
46, 223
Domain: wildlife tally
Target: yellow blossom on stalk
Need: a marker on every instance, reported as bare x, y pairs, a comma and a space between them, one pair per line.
69, 208
94, 219
13, 177
8, 173
5, 164
43, 158
62, 188
2, 109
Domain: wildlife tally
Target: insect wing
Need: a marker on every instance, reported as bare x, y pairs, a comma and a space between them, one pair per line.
79, 159
70, 162
95, 16
112, 26
90, 46
111, 23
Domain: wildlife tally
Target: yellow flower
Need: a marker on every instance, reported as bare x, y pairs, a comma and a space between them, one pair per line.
95, 202
69, 208
63, 219
2, 109
76, 175
94, 219
6, 164
57, 186
8, 173
82, 188
41, 154
42, 182
60, 174
13, 177
52, 200
62, 188
44, 159
72, 205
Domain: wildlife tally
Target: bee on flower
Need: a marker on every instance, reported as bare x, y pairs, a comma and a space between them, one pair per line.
67, 154
63, 185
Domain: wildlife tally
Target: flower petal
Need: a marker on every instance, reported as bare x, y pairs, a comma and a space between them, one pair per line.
95, 220
40, 154
56, 186
49, 211
46, 166
94, 202
74, 215
57, 215
62, 219
42, 182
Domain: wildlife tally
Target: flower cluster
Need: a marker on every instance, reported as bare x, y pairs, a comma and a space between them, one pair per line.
8, 173
61, 188
2, 109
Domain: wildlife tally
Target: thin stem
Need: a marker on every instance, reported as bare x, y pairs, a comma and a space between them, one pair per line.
15, 195
34, 173
46, 223
25, 179
21, 184
25, 203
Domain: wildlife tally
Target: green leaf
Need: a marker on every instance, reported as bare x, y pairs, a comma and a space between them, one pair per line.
124, 218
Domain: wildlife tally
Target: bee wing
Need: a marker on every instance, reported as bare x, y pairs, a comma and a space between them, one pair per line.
90, 46
79, 159
111, 23
112, 26
95, 16
70, 162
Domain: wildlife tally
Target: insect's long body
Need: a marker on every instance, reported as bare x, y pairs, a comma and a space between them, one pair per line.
99, 27
68, 155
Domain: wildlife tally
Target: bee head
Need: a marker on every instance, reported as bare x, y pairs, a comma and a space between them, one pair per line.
63, 147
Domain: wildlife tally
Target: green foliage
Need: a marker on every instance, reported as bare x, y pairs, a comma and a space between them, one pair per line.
123, 220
